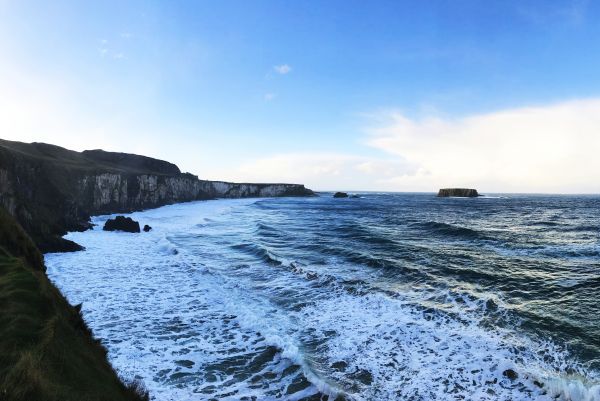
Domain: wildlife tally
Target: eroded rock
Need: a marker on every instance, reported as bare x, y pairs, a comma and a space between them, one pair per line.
122, 223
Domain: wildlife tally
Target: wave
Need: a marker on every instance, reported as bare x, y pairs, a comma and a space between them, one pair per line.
450, 230
567, 251
166, 246
259, 252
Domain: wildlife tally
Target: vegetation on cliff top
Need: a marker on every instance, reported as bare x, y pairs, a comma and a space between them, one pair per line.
46, 350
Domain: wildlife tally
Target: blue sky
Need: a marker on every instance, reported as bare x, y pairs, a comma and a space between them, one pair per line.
335, 94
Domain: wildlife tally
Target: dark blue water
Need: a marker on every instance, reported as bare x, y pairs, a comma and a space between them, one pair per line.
382, 297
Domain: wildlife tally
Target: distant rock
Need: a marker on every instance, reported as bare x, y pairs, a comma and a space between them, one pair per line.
340, 195
355, 196
458, 192
147, 228
122, 223
510, 374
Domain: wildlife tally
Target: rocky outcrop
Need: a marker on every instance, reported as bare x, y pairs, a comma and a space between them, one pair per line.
122, 223
458, 192
51, 190
340, 195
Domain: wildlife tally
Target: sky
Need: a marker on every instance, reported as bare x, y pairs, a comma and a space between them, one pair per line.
502, 96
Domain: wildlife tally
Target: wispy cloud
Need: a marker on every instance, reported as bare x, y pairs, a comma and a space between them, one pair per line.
270, 96
282, 69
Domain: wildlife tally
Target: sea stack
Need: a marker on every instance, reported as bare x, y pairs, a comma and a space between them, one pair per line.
122, 223
458, 192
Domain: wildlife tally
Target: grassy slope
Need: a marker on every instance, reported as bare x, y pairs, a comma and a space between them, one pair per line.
46, 350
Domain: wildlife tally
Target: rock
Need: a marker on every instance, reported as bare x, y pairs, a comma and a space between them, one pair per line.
340, 195
355, 196
122, 223
511, 374
459, 192
147, 228
339, 366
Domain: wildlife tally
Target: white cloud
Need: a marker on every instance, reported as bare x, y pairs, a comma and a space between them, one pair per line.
531, 149
551, 149
282, 69
270, 96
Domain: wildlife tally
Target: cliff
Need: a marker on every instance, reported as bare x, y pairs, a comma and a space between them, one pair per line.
51, 190
46, 350
459, 192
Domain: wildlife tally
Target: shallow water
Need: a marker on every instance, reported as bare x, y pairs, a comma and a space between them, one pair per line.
390, 296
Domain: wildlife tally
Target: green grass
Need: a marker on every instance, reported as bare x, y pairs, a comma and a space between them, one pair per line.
46, 350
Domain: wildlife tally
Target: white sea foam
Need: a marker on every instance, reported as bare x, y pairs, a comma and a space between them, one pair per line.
178, 308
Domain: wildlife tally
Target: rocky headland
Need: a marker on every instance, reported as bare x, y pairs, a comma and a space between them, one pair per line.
52, 190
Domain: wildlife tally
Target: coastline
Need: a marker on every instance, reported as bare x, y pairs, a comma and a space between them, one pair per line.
46, 192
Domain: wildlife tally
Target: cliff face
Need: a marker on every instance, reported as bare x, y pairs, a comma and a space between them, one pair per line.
52, 190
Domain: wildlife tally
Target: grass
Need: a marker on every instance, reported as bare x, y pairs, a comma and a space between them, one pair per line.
47, 352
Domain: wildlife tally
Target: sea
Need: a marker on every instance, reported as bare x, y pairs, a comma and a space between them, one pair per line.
382, 296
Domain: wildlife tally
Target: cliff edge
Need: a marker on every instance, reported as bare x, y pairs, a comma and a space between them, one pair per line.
52, 190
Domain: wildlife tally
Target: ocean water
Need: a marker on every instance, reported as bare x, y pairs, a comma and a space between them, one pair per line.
382, 297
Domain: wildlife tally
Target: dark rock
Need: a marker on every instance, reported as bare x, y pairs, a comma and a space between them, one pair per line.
185, 363
363, 376
122, 223
340, 195
355, 196
511, 374
147, 228
339, 366
458, 192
